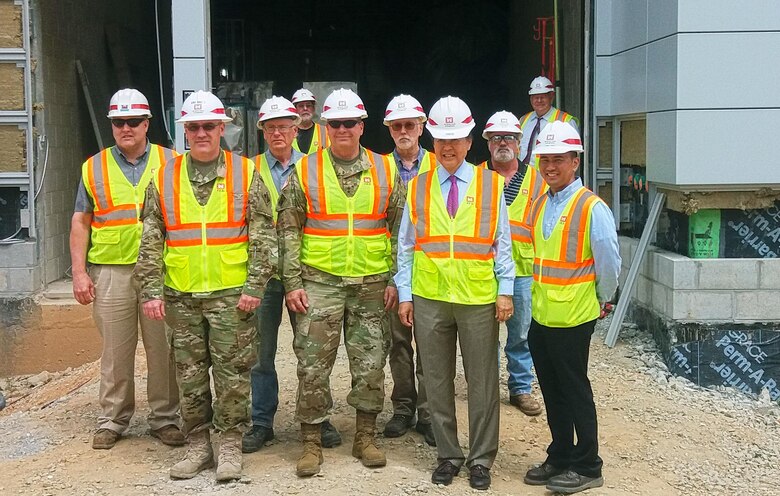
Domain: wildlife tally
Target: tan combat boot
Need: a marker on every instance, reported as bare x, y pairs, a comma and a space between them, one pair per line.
230, 457
199, 457
311, 459
364, 447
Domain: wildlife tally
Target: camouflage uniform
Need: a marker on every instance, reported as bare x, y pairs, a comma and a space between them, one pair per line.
356, 302
206, 329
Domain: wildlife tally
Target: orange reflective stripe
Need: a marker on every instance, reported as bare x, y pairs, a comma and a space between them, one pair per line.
177, 192
412, 193
477, 225
427, 204
323, 207
569, 221
105, 183
494, 197
374, 181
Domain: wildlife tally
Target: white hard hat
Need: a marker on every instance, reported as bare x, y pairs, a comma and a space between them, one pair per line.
558, 137
450, 118
203, 106
502, 122
343, 103
541, 85
404, 107
128, 103
303, 95
275, 108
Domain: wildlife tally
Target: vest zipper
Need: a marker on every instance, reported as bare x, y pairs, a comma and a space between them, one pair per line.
349, 262
204, 246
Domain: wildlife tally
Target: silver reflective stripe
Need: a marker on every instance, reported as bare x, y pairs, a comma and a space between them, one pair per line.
519, 230
310, 161
167, 155
168, 192
487, 203
560, 273
419, 203
100, 181
184, 234
457, 247
212, 233
381, 172
239, 194
343, 224
116, 215
574, 219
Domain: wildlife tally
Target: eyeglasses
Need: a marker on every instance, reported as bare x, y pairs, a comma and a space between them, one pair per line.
274, 129
397, 126
194, 127
509, 138
347, 124
134, 123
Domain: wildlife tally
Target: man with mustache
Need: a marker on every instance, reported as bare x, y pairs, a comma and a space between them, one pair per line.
311, 137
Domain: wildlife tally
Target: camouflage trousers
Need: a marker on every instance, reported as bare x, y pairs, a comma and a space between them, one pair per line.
359, 310
212, 332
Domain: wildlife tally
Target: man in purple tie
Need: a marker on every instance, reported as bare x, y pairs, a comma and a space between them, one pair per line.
455, 282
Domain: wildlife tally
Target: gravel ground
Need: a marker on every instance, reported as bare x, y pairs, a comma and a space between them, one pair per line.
660, 435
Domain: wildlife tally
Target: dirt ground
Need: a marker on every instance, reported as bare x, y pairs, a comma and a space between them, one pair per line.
659, 436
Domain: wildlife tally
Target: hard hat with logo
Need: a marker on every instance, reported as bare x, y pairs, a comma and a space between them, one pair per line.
450, 118
540, 85
404, 107
275, 108
128, 103
203, 106
558, 137
303, 95
502, 122
343, 103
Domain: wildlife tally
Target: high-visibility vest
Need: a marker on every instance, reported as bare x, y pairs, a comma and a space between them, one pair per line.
453, 257
206, 246
261, 164
532, 187
344, 236
319, 140
557, 115
427, 162
563, 292
116, 226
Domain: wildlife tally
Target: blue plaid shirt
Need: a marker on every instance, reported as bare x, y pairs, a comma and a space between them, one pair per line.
408, 174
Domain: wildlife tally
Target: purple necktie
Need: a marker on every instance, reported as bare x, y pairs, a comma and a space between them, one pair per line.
452, 197
532, 141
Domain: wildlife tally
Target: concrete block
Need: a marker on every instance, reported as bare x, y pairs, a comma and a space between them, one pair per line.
757, 306
19, 255
769, 277
643, 290
698, 306
721, 273
659, 298
675, 271
24, 280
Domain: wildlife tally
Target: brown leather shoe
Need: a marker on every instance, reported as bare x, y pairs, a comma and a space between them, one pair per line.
526, 404
105, 439
169, 434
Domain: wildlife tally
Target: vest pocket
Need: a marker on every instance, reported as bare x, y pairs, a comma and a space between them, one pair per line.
106, 236
526, 250
560, 302
481, 273
234, 267
177, 269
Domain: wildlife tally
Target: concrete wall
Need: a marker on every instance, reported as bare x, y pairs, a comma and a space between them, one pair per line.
707, 291
702, 71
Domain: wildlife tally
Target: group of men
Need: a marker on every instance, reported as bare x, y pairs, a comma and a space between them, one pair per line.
404, 255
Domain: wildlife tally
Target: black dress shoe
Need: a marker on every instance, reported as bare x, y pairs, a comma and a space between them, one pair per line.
256, 438
398, 425
571, 482
444, 473
540, 475
329, 436
479, 477
427, 431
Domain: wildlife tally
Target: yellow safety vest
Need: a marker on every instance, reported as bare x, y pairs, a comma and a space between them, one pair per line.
453, 257
563, 292
557, 115
319, 140
206, 246
116, 226
261, 163
344, 236
427, 162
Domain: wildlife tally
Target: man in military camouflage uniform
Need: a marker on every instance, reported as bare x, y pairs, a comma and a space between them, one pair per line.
336, 268
208, 249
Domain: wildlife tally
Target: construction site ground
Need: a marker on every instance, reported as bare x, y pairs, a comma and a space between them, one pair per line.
659, 435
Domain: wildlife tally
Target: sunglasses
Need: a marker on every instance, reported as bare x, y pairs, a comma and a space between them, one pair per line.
195, 127
397, 126
347, 124
120, 123
509, 138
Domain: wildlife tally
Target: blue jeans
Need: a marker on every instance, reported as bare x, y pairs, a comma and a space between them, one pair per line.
518, 357
265, 383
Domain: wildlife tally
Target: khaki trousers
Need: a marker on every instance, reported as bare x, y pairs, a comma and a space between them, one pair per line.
117, 313
439, 326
